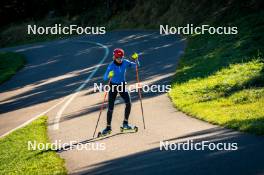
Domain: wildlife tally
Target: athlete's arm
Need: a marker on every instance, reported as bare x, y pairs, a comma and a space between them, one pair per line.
132, 64
109, 68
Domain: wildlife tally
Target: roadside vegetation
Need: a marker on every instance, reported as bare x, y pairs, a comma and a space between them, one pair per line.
10, 63
16, 34
126, 14
220, 79
17, 159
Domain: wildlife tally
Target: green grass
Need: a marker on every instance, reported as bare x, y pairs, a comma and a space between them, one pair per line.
220, 79
10, 63
17, 159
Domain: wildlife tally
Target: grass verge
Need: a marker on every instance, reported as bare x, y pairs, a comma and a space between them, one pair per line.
220, 79
17, 159
10, 63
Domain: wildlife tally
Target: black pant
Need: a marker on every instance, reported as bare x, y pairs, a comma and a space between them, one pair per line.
115, 89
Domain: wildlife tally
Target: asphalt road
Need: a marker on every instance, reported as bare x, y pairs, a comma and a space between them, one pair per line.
58, 81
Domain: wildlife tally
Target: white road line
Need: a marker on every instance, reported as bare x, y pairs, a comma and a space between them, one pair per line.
34, 118
72, 96
59, 113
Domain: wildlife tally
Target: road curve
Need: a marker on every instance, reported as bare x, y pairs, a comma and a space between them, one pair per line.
56, 69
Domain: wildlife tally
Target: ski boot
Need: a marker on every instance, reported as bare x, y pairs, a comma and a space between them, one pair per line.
105, 132
128, 128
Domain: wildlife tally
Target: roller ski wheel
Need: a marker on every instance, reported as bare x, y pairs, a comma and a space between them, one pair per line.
128, 128
104, 133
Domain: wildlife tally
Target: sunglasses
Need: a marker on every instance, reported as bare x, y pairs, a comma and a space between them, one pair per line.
119, 58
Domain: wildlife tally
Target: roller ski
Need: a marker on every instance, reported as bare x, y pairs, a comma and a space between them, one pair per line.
126, 128
107, 131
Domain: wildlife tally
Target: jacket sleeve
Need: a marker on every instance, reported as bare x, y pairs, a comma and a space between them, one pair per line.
107, 72
132, 64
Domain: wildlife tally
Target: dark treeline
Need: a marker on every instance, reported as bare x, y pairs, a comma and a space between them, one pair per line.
128, 13
15, 15
12, 11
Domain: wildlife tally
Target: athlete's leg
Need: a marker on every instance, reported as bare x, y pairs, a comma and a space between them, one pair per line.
111, 103
126, 97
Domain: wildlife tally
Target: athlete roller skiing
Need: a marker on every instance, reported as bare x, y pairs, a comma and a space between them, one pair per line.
115, 73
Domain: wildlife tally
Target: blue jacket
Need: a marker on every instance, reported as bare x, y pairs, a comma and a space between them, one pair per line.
119, 71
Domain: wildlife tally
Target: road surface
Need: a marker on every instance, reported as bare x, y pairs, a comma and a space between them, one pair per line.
58, 81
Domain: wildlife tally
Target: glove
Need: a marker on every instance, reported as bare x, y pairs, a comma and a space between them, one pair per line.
111, 74
134, 56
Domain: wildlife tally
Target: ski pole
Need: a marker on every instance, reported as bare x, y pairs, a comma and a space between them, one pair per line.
140, 97
101, 108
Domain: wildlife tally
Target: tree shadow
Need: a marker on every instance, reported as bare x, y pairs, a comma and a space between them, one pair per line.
245, 160
255, 82
56, 70
95, 108
254, 125
92, 140
208, 54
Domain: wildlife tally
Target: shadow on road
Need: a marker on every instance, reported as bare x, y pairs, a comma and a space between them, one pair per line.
246, 160
95, 108
73, 146
56, 70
